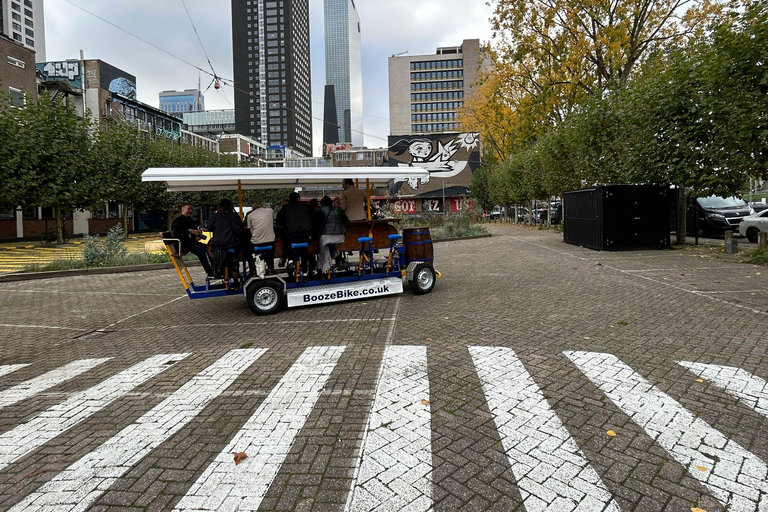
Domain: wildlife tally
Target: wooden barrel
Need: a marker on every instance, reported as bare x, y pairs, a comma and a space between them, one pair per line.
418, 244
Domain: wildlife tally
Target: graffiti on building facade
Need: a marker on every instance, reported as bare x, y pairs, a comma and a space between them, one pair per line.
63, 71
443, 155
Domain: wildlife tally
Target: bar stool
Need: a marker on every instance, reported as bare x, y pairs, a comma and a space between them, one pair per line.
366, 254
393, 240
261, 250
298, 248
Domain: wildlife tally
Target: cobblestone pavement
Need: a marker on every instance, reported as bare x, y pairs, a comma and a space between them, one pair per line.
536, 376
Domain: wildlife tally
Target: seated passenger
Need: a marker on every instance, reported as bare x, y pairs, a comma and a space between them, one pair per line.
296, 224
227, 231
185, 229
332, 232
261, 222
353, 201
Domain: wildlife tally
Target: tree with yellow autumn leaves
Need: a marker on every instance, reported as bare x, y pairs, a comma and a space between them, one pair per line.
588, 91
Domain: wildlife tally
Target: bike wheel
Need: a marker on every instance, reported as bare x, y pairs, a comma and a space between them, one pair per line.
44, 239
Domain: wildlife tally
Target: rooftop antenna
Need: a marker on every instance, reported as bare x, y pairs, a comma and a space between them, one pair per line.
400, 54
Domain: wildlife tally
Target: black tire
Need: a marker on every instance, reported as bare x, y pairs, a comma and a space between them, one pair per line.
424, 278
752, 235
265, 297
44, 239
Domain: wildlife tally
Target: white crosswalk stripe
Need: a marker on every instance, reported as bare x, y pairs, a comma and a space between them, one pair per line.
20, 441
550, 470
77, 487
48, 380
10, 368
265, 438
750, 389
395, 471
732, 474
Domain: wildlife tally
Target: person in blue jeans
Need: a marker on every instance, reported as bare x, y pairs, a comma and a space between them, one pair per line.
185, 229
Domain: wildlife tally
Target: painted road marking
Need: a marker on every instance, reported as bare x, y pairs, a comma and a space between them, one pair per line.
733, 475
81, 484
395, 471
266, 438
551, 472
10, 368
47, 380
750, 389
20, 441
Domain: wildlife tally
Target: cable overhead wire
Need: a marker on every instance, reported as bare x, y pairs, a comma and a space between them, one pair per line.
212, 73
215, 76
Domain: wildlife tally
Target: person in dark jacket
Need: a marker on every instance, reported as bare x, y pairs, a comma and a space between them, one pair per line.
295, 223
185, 229
227, 234
333, 232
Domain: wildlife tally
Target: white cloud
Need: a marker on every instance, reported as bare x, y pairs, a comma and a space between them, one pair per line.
393, 26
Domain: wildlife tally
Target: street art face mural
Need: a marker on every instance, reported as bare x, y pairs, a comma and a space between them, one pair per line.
443, 155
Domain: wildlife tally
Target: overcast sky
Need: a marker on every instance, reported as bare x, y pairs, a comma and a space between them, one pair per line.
388, 27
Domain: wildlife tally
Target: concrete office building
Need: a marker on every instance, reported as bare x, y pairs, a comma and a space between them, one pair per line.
24, 22
426, 91
343, 69
273, 101
180, 102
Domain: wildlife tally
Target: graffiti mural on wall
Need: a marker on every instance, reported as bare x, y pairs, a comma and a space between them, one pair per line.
64, 71
118, 81
443, 155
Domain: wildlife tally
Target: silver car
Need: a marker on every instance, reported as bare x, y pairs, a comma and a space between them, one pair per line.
754, 224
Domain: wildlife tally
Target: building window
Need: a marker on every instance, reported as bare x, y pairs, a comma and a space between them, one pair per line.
17, 97
15, 6
16, 62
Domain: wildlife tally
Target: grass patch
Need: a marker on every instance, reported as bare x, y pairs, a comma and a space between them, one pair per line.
456, 225
146, 258
756, 257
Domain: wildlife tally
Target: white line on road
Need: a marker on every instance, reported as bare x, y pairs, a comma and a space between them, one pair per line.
47, 380
142, 312
20, 441
736, 477
10, 368
750, 389
27, 326
81, 484
396, 467
551, 472
265, 438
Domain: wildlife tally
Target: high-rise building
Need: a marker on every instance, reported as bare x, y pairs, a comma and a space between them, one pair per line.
181, 102
273, 101
426, 91
24, 22
343, 68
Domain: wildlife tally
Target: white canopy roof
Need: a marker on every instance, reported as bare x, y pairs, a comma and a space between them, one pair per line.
193, 179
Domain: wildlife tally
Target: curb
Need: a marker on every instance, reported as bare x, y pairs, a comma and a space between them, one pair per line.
33, 276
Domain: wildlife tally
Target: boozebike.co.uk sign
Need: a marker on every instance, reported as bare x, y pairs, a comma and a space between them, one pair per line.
344, 291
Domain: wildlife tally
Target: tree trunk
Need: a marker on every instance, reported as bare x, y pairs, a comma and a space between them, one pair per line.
59, 224
125, 219
168, 220
682, 208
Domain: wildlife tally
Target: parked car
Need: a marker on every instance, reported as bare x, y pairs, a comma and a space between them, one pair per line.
716, 215
496, 213
754, 224
758, 207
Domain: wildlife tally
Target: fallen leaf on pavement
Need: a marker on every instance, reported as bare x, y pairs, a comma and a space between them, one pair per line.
429, 339
696, 509
699, 380
611, 433
701, 468
425, 402
34, 474
239, 457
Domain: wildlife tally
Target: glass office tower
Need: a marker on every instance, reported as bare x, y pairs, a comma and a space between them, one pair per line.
343, 67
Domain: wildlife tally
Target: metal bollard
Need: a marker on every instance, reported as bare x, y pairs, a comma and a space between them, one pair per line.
762, 241
731, 244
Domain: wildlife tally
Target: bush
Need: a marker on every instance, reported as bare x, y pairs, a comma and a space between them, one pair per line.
106, 253
757, 257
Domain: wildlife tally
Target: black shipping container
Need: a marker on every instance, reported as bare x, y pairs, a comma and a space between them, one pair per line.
618, 217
